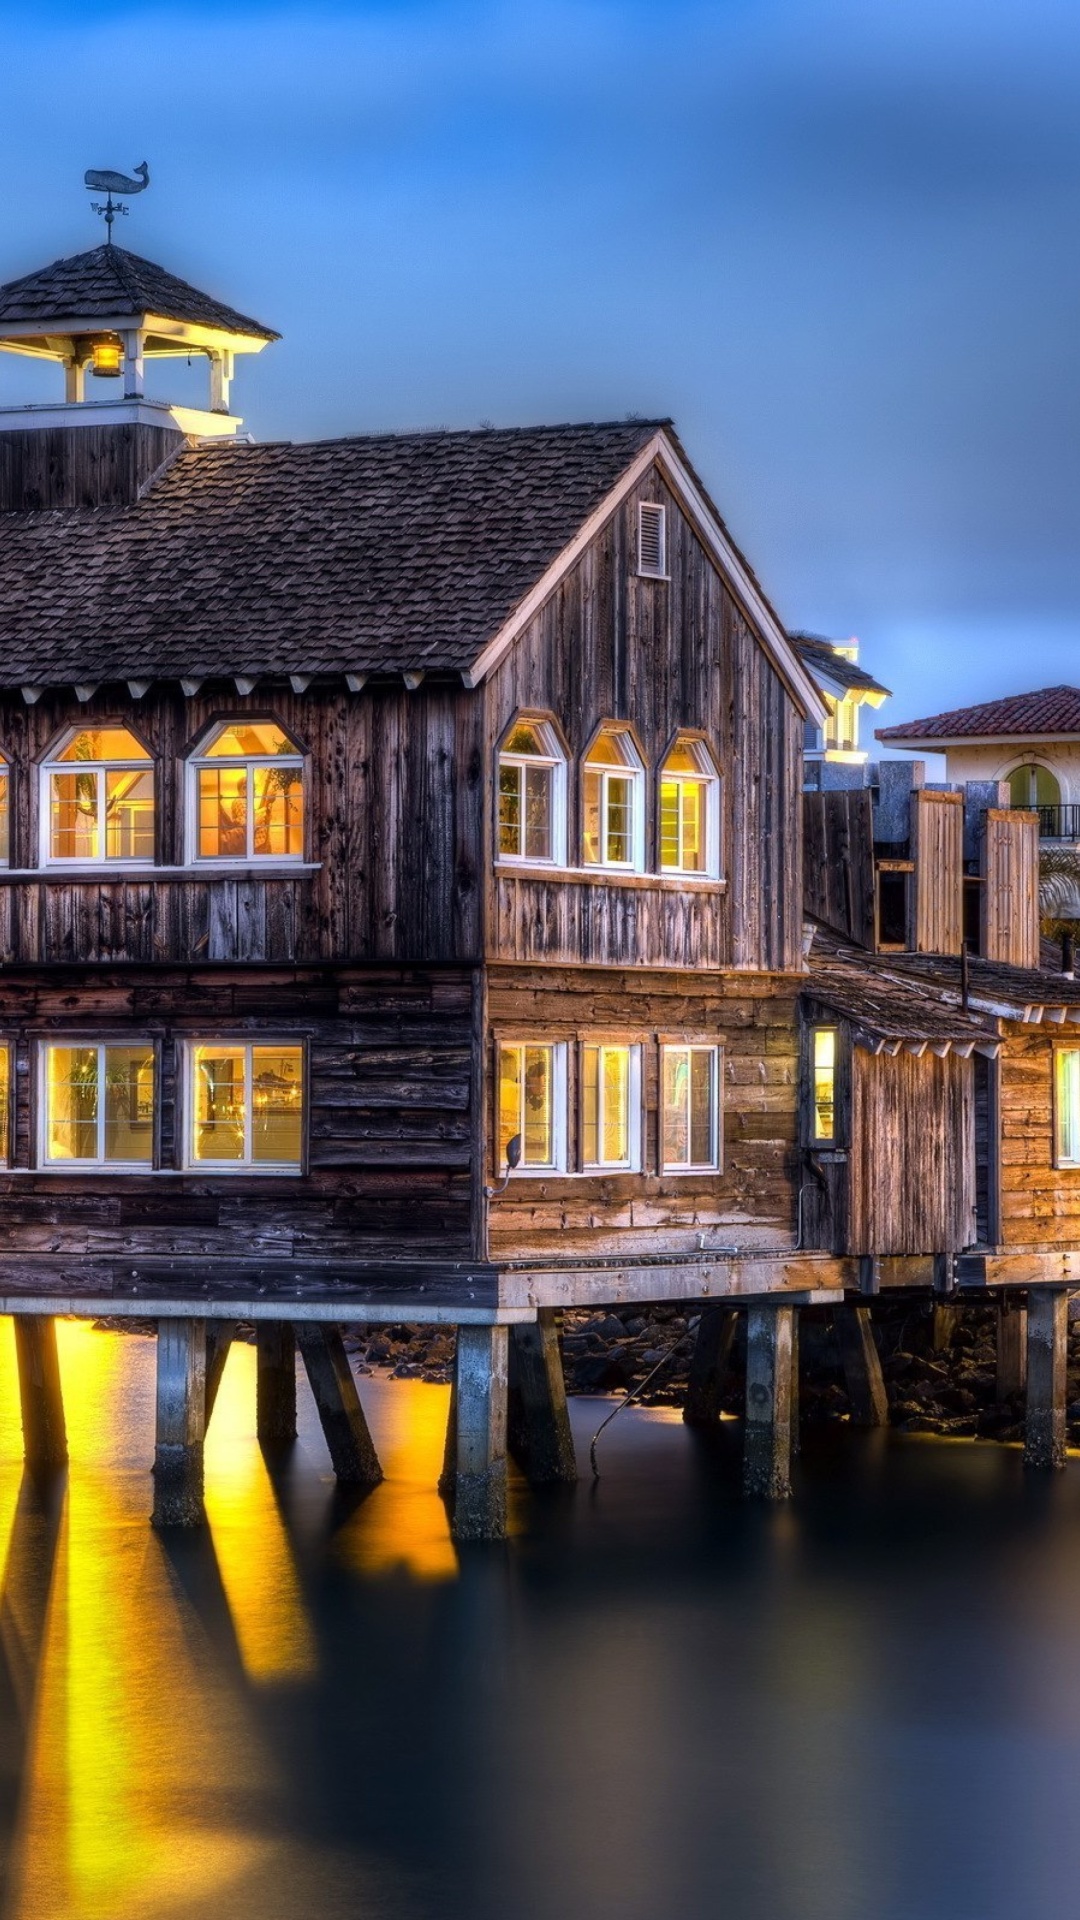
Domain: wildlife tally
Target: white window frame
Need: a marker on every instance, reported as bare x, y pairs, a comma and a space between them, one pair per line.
555, 760
632, 770
655, 510
708, 777
99, 1163
202, 757
534, 1169
716, 1133
634, 1117
819, 1028
247, 1167
1067, 1106
90, 862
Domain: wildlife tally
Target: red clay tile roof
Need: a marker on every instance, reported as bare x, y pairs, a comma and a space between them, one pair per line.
367, 555
108, 281
1053, 710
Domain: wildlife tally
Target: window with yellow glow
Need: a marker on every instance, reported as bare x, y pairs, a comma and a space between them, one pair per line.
689, 813
610, 1098
690, 1121
5, 814
249, 794
98, 800
5, 1105
531, 1103
99, 1105
1067, 1106
532, 790
246, 1105
612, 803
824, 1067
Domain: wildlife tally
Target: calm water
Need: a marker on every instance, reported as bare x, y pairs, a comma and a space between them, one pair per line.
654, 1702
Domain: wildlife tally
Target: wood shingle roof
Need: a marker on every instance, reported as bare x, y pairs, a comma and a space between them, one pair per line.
383, 553
107, 283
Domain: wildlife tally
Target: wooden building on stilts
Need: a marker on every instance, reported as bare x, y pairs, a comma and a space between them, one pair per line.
402, 918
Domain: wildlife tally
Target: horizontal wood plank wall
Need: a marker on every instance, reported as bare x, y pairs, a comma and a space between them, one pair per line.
390, 1132
661, 655
1040, 1203
751, 1203
1009, 858
912, 1165
838, 857
937, 846
395, 806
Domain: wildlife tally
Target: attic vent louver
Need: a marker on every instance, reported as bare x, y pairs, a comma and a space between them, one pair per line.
652, 540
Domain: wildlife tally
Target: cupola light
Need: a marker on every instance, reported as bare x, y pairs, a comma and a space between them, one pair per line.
107, 358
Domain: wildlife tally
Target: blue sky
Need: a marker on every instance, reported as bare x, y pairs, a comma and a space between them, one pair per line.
836, 239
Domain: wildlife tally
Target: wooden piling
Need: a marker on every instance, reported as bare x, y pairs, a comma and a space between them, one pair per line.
767, 1447
1047, 1347
275, 1382
862, 1366
220, 1335
352, 1450
1011, 1373
479, 1489
709, 1365
181, 1423
943, 1328
543, 1441
40, 1392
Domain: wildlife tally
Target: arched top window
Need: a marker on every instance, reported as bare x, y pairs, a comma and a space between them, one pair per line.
613, 811
98, 798
1034, 786
689, 811
532, 795
247, 794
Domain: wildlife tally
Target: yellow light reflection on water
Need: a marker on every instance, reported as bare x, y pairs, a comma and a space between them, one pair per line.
403, 1524
271, 1624
127, 1716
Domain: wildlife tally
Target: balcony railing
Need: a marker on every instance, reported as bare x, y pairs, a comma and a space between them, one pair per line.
1059, 823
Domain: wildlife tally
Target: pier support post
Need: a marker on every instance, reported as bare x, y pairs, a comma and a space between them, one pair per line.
40, 1392
542, 1439
479, 1488
352, 1450
181, 1423
767, 1455
219, 1338
1012, 1325
1047, 1346
862, 1366
708, 1365
275, 1382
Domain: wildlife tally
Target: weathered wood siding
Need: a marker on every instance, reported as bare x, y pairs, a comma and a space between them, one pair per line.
1040, 1203
912, 1154
661, 655
1009, 859
750, 1203
391, 1122
838, 859
937, 848
394, 788
85, 466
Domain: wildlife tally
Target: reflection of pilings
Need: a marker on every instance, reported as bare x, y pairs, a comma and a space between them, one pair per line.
24, 1612
181, 1423
352, 1450
44, 1432
275, 1382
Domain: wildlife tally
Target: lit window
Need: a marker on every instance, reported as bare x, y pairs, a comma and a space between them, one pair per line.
249, 794
5, 1105
691, 1131
99, 798
652, 540
532, 1080
99, 1105
824, 1039
247, 1105
610, 1103
532, 788
5, 814
842, 725
612, 802
689, 811
1067, 1070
